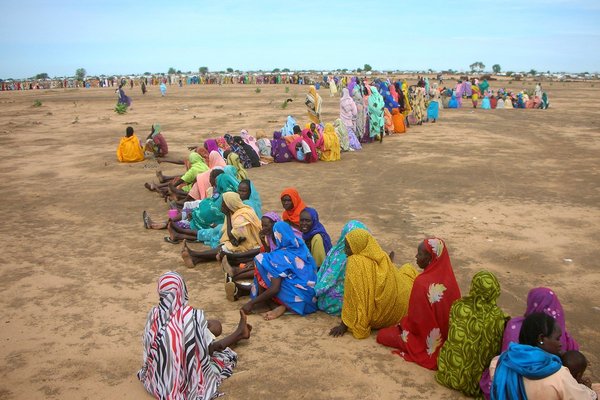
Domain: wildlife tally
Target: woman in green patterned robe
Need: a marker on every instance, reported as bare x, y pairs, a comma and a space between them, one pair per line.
474, 336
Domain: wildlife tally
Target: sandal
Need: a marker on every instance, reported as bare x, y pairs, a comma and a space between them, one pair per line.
172, 241
145, 218
231, 291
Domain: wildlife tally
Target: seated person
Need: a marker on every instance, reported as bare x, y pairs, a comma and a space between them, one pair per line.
292, 206
239, 239
130, 149
421, 334
179, 185
156, 143
174, 328
532, 368
314, 234
376, 292
331, 275
474, 336
285, 277
208, 213
577, 364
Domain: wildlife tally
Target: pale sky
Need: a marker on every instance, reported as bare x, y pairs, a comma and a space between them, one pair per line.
131, 37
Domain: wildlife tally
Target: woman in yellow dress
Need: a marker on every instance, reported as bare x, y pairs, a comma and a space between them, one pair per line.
376, 292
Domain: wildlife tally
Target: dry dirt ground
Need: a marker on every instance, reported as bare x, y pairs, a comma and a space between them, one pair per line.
513, 191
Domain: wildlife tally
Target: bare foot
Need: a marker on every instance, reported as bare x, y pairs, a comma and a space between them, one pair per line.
150, 186
185, 254
160, 176
244, 328
231, 291
274, 314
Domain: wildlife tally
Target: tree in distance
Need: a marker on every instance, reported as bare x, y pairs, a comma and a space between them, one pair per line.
203, 70
367, 68
496, 68
230, 70
171, 71
80, 74
477, 66
43, 75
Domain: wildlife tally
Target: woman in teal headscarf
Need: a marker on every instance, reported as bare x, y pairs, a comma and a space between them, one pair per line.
376, 119
208, 213
331, 275
250, 196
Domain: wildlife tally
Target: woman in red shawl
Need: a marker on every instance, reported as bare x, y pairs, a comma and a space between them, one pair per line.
292, 205
421, 334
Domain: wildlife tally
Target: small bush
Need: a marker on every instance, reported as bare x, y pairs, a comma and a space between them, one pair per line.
37, 103
257, 90
287, 89
284, 105
121, 108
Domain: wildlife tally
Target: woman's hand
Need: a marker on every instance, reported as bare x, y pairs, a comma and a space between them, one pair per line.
338, 330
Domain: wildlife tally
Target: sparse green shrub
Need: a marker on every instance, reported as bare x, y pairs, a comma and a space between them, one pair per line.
121, 108
284, 105
287, 89
37, 103
257, 90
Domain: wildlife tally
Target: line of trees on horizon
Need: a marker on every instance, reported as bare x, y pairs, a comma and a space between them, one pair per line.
475, 67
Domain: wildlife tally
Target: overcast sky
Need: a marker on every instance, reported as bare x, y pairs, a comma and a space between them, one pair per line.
127, 37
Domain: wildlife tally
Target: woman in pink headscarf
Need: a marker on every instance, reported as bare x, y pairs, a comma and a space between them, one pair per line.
198, 191
538, 300
348, 110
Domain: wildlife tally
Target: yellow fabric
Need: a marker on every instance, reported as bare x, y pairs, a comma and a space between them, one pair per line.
315, 99
234, 159
407, 107
331, 147
244, 223
376, 293
317, 249
130, 150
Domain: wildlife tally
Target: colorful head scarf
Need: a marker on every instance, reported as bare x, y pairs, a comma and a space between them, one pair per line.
273, 216
540, 300
518, 362
234, 160
291, 261
331, 275
421, 334
216, 160
376, 293
174, 329
254, 200
316, 228
474, 336
294, 214
211, 145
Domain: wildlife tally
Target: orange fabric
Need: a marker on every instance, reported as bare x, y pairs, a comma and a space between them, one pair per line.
293, 215
398, 120
389, 125
130, 150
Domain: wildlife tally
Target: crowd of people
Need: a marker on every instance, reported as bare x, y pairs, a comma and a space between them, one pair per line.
285, 262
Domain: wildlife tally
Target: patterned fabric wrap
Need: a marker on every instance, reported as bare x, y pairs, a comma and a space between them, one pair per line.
291, 261
176, 361
376, 293
474, 336
331, 275
421, 334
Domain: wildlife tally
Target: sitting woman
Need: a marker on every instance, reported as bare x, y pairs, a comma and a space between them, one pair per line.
251, 152
285, 277
302, 147
239, 239
331, 275
532, 369
238, 280
130, 149
331, 144
314, 234
156, 143
208, 214
375, 291
421, 334
474, 336
249, 195
292, 206
180, 185
173, 329
234, 160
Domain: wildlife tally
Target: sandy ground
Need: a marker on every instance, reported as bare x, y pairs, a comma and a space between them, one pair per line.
513, 191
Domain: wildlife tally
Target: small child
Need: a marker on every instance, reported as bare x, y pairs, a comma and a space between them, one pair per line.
577, 364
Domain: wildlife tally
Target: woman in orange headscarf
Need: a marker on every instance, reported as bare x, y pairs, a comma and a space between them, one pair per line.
398, 120
292, 205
